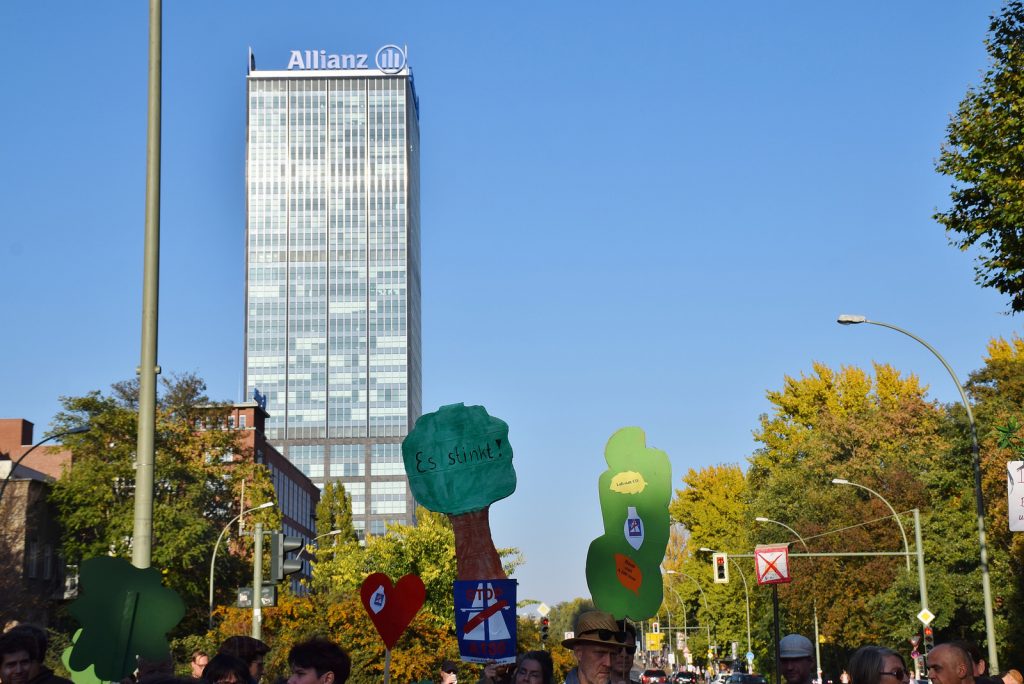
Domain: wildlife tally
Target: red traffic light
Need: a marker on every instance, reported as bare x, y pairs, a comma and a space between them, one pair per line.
545, 621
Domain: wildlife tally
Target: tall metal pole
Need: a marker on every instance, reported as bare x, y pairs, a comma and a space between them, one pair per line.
979, 500
814, 599
142, 536
920, 560
778, 639
257, 584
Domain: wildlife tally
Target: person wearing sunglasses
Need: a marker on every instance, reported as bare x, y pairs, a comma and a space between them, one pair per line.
877, 665
596, 643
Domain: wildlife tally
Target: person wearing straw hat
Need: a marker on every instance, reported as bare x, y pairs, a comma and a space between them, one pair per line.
596, 642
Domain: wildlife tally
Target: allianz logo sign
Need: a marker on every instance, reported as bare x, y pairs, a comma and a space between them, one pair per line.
390, 59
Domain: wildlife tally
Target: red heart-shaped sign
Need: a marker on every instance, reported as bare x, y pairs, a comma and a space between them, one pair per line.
392, 607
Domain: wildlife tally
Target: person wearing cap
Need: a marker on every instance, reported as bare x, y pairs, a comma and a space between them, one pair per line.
796, 659
596, 643
449, 673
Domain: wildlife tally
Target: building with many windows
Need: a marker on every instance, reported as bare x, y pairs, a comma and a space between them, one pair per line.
332, 294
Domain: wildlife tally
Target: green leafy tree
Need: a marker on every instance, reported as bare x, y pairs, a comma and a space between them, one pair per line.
984, 155
882, 432
334, 512
198, 485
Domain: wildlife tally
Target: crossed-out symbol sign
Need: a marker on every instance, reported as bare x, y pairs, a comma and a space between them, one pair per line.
771, 563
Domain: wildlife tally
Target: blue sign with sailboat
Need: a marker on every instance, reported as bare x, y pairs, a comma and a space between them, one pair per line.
485, 620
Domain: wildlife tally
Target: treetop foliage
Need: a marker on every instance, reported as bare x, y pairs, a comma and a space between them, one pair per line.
984, 155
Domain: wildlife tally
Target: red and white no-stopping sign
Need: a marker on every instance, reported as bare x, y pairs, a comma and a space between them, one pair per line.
771, 563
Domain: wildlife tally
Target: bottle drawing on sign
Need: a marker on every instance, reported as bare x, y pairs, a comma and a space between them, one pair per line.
493, 628
377, 600
634, 528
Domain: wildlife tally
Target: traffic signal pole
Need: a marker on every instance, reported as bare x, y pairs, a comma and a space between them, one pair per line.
257, 584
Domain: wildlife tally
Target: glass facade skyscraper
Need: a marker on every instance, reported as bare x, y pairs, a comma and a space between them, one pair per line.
332, 294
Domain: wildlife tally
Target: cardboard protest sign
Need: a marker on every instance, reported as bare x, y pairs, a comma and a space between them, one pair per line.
1015, 494
124, 612
392, 607
459, 462
86, 676
485, 620
623, 565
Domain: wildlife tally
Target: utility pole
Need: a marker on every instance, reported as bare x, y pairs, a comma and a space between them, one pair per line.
257, 584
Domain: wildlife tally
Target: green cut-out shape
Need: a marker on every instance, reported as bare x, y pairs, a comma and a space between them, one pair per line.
624, 564
86, 676
458, 460
125, 612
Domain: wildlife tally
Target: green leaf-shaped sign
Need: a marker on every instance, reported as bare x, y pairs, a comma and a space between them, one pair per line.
458, 460
124, 612
623, 565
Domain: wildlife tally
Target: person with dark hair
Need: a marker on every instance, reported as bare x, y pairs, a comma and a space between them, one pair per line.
22, 650
227, 669
318, 661
981, 674
249, 650
877, 665
950, 664
535, 667
448, 673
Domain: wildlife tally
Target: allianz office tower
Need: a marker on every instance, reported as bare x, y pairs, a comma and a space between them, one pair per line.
332, 290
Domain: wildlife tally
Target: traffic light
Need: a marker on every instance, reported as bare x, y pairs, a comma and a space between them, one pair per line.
544, 626
281, 545
929, 639
720, 567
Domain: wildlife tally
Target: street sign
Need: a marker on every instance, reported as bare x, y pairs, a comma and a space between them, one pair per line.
654, 641
485, 620
570, 635
543, 609
771, 563
681, 642
915, 640
268, 597
926, 616
750, 656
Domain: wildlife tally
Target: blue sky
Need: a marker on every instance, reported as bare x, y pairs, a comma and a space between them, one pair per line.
633, 214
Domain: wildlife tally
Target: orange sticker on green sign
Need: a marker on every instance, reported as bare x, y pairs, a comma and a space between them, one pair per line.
628, 573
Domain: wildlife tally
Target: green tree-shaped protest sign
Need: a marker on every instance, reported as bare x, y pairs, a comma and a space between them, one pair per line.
623, 565
124, 612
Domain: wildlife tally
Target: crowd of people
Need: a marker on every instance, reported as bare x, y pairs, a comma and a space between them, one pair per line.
604, 650
239, 660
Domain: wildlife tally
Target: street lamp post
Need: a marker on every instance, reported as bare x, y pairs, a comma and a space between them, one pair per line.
14, 466
814, 599
746, 593
986, 587
707, 608
213, 558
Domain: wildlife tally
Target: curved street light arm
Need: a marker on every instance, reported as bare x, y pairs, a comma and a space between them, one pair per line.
903, 530
14, 466
213, 558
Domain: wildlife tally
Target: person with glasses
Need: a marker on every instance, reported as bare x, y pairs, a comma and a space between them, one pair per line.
535, 667
596, 643
877, 665
622, 665
949, 664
